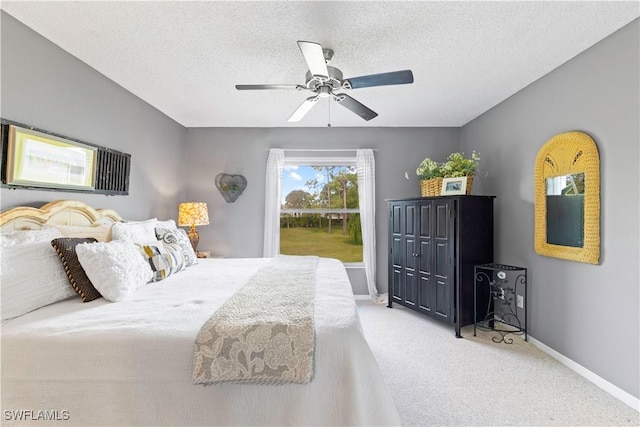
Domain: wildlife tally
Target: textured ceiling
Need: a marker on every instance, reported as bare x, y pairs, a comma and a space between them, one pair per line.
184, 57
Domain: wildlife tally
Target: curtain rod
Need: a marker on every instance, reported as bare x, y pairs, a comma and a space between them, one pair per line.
322, 149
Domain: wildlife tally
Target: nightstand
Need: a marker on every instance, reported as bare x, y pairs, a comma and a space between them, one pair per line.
203, 254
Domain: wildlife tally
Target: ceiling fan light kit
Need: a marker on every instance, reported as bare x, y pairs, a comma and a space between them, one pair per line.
323, 80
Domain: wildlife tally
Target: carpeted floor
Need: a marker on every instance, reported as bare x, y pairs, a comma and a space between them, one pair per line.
438, 380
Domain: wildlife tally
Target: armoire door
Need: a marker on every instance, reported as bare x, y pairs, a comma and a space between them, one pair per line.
425, 258
443, 246
410, 255
396, 254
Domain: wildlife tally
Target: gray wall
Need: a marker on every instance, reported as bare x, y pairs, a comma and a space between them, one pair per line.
236, 229
45, 87
588, 313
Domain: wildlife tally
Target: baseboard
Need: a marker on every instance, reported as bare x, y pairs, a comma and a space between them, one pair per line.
357, 297
616, 392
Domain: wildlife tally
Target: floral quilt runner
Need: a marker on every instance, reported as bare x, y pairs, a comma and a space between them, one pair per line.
264, 334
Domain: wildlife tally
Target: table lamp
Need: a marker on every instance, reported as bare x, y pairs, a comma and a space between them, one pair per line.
192, 214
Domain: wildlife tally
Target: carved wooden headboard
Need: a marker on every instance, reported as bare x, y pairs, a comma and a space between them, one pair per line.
62, 212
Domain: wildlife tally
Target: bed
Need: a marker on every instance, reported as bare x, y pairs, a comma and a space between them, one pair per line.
130, 362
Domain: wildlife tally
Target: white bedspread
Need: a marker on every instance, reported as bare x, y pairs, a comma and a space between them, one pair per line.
129, 363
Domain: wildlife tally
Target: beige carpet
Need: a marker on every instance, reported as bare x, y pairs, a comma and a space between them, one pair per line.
439, 380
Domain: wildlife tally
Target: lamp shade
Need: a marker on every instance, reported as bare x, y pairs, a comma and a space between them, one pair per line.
193, 213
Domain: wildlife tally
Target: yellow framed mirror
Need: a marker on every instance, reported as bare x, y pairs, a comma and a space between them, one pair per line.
567, 198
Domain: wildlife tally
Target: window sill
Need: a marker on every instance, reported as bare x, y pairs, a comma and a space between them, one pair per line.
353, 265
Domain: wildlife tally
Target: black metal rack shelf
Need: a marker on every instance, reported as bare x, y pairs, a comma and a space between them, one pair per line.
506, 312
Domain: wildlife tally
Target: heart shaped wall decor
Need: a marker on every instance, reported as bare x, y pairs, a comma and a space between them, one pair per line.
230, 186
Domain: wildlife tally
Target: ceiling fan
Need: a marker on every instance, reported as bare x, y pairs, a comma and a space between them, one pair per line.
323, 80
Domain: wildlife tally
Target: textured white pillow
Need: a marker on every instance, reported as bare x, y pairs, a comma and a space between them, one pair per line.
27, 237
31, 274
102, 233
116, 269
169, 223
140, 232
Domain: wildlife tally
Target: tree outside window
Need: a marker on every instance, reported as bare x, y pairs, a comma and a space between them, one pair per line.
319, 213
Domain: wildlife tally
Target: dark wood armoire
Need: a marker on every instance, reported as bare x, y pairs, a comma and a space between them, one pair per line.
434, 243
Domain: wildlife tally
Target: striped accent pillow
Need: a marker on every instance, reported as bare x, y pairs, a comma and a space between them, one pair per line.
164, 260
178, 236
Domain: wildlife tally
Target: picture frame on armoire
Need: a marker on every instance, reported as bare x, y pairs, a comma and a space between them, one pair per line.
454, 186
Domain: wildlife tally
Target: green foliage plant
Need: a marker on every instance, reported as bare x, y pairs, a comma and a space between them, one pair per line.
355, 228
455, 166
429, 169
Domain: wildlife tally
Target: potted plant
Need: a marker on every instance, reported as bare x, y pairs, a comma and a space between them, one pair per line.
456, 165
429, 169
431, 173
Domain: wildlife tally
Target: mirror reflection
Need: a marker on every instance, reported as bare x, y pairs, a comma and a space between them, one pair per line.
565, 210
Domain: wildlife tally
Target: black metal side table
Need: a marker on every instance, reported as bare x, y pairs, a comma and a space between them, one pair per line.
506, 312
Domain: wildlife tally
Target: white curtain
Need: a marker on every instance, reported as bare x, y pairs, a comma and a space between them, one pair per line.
275, 164
366, 167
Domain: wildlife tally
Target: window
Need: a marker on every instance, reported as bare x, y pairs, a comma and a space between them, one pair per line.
37, 159
319, 212
364, 162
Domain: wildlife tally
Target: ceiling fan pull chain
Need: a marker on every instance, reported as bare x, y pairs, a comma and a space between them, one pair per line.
329, 104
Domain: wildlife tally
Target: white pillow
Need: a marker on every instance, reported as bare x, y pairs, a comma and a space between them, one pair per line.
102, 233
170, 223
31, 274
140, 232
116, 269
27, 237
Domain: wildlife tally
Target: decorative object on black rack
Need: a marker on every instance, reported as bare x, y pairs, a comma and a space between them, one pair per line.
230, 186
506, 312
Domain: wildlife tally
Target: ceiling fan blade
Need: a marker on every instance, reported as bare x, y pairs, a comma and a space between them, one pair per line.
314, 56
382, 79
260, 87
353, 105
303, 109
